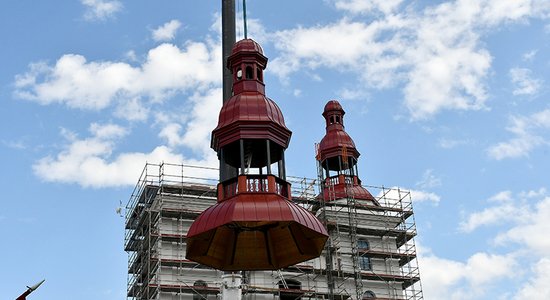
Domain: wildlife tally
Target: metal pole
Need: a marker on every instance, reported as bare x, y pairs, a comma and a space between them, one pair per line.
268, 151
228, 40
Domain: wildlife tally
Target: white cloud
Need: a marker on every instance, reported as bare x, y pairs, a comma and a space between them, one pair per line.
523, 230
450, 279
204, 117
523, 82
517, 147
529, 56
107, 132
525, 222
483, 267
89, 162
101, 9
493, 215
94, 161
171, 133
131, 56
417, 196
166, 32
495, 12
95, 85
76, 82
438, 274
436, 55
439, 72
506, 210
17, 145
191, 127
429, 180
527, 136
422, 196
504, 196
537, 287
351, 94
367, 6
533, 193
132, 109
450, 79
532, 229
329, 45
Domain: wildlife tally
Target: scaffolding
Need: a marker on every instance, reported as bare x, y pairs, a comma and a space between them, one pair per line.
386, 264
165, 200
168, 197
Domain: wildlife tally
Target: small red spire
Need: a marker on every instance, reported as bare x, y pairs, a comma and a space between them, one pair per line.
336, 139
247, 64
338, 155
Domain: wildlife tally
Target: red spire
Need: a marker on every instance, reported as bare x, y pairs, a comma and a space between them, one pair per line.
254, 225
336, 139
338, 155
247, 64
249, 114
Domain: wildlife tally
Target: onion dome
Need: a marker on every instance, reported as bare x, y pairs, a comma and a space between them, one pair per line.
250, 116
333, 106
248, 46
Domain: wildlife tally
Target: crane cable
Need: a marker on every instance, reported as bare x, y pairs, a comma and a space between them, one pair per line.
244, 20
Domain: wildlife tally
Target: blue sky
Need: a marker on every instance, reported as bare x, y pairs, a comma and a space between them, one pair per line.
449, 99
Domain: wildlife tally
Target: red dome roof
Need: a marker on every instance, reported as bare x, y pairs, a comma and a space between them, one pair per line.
247, 45
254, 208
250, 107
250, 115
340, 191
333, 105
270, 231
336, 138
333, 143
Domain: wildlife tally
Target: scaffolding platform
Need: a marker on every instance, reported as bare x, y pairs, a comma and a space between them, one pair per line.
371, 246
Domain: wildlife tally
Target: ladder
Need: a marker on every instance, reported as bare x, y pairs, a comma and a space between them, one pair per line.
353, 222
329, 247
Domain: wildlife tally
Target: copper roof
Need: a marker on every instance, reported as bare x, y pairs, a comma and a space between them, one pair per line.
336, 138
247, 45
250, 115
333, 105
255, 231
